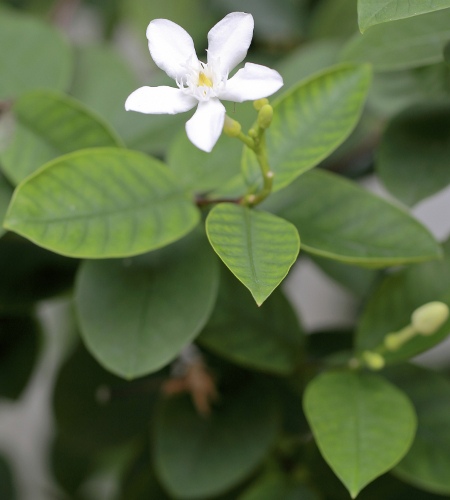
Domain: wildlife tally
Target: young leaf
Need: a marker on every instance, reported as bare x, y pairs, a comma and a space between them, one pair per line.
362, 424
43, 59
100, 203
371, 12
268, 339
137, 314
413, 155
339, 220
199, 457
427, 463
310, 121
49, 125
259, 248
408, 43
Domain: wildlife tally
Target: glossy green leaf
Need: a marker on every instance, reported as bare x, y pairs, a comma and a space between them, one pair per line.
362, 424
427, 463
42, 59
413, 155
100, 203
390, 306
407, 43
310, 121
259, 248
5, 197
371, 12
49, 125
268, 338
137, 314
339, 220
199, 457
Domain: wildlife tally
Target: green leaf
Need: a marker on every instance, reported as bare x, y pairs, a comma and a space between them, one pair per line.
310, 121
427, 463
390, 306
259, 248
413, 155
339, 220
42, 59
276, 486
362, 424
334, 20
371, 12
95, 409
199, 457
100, 203
268, 339
5, 197
19, 349
403, 44
49, 125
136, 315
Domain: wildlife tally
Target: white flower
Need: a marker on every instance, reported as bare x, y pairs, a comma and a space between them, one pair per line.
172, 49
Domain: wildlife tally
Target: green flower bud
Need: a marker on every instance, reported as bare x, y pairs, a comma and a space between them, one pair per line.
265, 116
260, 103
373, 360
428, 318
231, 127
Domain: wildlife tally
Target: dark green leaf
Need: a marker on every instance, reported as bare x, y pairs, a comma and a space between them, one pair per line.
310, 121
5, 197
202, 457
100, 203
259, 248
137, 314
362, 424
334, 19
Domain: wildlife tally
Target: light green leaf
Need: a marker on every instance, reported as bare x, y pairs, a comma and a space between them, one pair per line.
310, 121
49, 125
371, 12
5, 197
339, 220
100, 203
268, 339
259, 248
137, 314
413, 155
199, 457
403, 44
427, 463
42, 59
390, 306
362, 424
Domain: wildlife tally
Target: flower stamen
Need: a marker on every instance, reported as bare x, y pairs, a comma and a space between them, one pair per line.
203, 80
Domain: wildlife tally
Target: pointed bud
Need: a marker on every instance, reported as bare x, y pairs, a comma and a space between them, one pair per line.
260, 103
265, 116
373, 360
428, 318
231, 127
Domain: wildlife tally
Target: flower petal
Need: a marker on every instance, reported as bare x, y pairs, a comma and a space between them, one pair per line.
229, 40
159, 100
205, 127
252, 82
171, 47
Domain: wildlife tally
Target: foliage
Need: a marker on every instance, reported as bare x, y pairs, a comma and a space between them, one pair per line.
191, 375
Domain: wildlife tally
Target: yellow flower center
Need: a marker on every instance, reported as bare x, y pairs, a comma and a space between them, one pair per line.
203, 80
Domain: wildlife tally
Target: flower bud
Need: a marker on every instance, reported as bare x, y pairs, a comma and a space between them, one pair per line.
373, 360
260, 103
393, 341
231, 127
265, 116
428, 318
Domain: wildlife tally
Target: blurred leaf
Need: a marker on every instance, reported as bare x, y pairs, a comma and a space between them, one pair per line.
200, 171
7, 486
413, 157
326, 343
202, 457
5, 197
34, 55
95, 409
100, 203
427, 463
49, 125
19, 349
403, 44
371, 12
339, 220
137, 314
390, 307
258, 248
268, 339
362, 424
310, 121
334, 19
